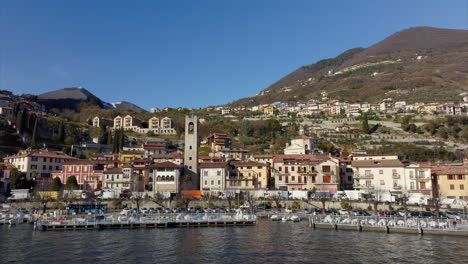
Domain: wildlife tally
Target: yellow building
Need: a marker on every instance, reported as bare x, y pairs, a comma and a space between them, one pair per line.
126, 157
248, 175
269, 110
452, 182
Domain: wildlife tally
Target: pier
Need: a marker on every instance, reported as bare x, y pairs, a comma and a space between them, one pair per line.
135, 222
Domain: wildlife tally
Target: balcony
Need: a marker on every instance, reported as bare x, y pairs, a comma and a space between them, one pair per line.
361, 186
397, 187
307, 172
396, 176
365, 176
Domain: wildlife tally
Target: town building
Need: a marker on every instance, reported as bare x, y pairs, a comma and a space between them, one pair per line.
38, 163
86, 173
300, 145
213, 176
232, 153
174, 157
248, 175
101, 121
116, 179
217, 141
450, 182
166, 177
151, 149
379, 176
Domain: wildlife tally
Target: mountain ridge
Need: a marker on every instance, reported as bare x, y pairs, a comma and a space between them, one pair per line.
411, 60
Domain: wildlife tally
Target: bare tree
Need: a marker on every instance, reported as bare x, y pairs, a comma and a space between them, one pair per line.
137, 198
186, 200
158, 199
251, 200
277, 198
230, 196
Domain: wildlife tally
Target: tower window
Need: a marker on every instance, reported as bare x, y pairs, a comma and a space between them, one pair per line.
190, 147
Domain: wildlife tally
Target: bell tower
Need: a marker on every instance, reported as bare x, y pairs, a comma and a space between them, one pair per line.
191, 150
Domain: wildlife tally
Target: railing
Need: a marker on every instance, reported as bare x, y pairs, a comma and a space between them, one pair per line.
396, 176
443, 224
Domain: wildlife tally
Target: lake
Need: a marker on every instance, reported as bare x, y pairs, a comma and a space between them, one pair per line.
268, 242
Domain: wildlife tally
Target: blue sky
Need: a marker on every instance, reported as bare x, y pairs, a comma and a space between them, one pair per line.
191, 53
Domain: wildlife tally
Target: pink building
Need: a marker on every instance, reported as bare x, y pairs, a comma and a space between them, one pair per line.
85, 171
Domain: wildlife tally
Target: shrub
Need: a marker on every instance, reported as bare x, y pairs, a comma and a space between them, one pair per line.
296, 205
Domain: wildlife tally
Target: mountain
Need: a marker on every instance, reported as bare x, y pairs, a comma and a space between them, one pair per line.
127, 105
76, 97
417, 64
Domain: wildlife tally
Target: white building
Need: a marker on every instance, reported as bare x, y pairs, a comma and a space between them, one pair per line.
38, 163
300, 145
166, 177
116, 178
380, 176
213, 176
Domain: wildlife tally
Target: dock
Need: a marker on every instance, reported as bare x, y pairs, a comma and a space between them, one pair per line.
136, 222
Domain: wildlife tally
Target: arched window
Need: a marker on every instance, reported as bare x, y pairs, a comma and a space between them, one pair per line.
158, 178
172, 178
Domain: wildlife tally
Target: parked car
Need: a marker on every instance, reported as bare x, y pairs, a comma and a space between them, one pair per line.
427, 214
343, 212
263, 206
453, 215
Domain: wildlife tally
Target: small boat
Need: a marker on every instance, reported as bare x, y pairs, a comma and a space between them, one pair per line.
14, 221
286, 218
295, 218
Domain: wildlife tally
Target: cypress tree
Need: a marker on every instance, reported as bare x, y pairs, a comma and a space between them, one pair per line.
365, 124
61, 132
34, 134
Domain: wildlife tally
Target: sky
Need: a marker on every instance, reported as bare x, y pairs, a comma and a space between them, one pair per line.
191, 53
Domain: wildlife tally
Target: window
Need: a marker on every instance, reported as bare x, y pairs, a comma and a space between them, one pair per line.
461, 177
280, 178
280, 168
50, 160
326, 169
219, 182
34, 158
190, 147
45, 159
412, 185
33, 167
57, 168
382, 182
292, 168
451, 177
367, 173
50, 167
44, 167
380, 171
293, 178
212, 182
190, 158
205, 173
206, 182
452, 187
462, 187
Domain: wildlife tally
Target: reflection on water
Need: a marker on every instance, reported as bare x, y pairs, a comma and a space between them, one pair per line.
268, 242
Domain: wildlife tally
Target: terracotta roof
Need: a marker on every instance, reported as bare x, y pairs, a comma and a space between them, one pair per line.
263, 156
372, 155
213, 165
441, 170
113, 170
233, 150
166, 164
154, 146
78, 162
279, 158
376, 163
40, 153
172, 155
247, 163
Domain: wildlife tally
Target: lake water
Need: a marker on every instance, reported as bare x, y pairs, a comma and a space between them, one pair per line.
268, 242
